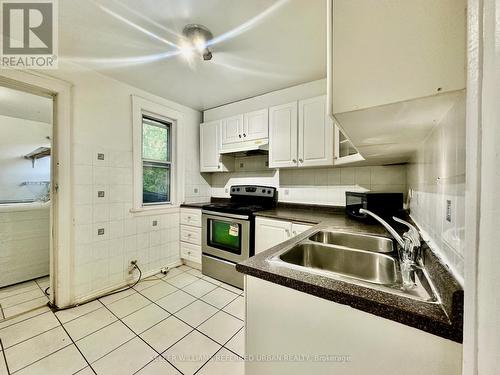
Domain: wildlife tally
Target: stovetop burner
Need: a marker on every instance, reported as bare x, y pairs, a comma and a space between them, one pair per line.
246, 200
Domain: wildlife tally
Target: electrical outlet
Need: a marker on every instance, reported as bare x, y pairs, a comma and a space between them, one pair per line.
100, 231
448, 210
287, 192
100, 156
242, 165
195, 190
131, 266
155, 223
100, 194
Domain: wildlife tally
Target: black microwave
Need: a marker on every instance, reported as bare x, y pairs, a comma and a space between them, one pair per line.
385, 205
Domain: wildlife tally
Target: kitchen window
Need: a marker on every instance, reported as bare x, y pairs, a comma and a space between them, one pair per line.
156, 161
157, 165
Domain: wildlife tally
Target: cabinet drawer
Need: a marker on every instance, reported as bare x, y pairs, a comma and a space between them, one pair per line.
191, 217
191, 252
191, 234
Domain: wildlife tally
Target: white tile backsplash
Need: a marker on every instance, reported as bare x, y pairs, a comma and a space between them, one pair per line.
327, 186
436, 176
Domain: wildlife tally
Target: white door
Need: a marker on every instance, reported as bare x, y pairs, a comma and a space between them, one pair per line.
256, 125
232, 129
269, 233
209, 146
283, 135
315, 133
299, 228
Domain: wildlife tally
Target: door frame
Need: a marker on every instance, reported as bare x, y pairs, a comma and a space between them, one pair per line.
61, 256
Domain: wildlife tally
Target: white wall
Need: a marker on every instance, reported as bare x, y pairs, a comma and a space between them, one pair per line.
102, 123
19, 137
437, 176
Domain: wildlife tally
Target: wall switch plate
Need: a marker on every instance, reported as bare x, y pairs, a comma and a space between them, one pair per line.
100, 231
100, 156
100, 194
195, 190
448, 210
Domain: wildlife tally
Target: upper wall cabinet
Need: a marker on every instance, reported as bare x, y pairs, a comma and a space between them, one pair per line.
244, 132
232, 129
301, 134
210, 158
256, 125
283, 135
387, 51
394, 69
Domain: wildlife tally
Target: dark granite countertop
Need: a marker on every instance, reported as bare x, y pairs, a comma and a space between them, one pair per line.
194, 205
444, 318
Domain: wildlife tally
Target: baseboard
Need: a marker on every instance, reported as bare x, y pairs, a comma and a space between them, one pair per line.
192, 264
120, 285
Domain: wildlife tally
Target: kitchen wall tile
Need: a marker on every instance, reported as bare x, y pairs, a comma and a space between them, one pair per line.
436, 177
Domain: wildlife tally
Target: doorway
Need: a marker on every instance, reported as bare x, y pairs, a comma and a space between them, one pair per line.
26, 133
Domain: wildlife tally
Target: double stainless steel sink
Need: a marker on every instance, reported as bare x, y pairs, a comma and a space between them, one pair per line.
360, 258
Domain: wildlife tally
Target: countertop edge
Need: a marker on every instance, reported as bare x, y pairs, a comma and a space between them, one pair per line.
393, 313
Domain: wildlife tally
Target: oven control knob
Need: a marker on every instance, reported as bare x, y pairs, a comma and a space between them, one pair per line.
269, 192
264, 191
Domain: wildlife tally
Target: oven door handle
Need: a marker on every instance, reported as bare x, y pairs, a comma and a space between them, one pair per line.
222, 214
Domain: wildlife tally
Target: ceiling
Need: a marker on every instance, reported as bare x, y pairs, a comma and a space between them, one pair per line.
19, 104
259, 46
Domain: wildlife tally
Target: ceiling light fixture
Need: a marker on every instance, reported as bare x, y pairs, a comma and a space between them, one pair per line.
197, 38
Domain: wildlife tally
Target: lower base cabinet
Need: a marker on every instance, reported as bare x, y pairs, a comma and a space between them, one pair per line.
271, 232
293, 333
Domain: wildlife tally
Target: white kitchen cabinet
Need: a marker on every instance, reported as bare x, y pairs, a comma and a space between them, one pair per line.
271, 232
316, 135
232, 129
301, 134
299, 228
256, 125
210, 158
283, 133
190, 235
281, 320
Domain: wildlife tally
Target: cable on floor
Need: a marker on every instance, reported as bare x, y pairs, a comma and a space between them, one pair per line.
135, 266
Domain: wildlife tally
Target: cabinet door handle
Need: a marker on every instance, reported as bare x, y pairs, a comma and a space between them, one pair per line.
294, 233
294, 160
301, 161
287, 232
239, 135
244, 135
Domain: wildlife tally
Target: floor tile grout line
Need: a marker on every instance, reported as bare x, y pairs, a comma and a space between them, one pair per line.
16, 294
45, 356
28, 300
31, 317
76, 346
4, 357
29, 338
140, 338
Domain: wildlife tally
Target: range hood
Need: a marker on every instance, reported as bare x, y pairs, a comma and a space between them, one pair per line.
257, 147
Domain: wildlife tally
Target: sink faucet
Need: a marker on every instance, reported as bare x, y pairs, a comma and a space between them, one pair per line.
409, 245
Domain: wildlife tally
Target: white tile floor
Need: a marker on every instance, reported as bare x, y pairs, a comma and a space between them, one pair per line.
181, 323
22, 297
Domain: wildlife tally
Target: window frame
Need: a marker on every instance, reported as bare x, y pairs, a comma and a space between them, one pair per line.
140, 108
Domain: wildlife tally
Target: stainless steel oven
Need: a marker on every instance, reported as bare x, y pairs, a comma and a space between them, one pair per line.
228, 231
225, 242
226, 236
